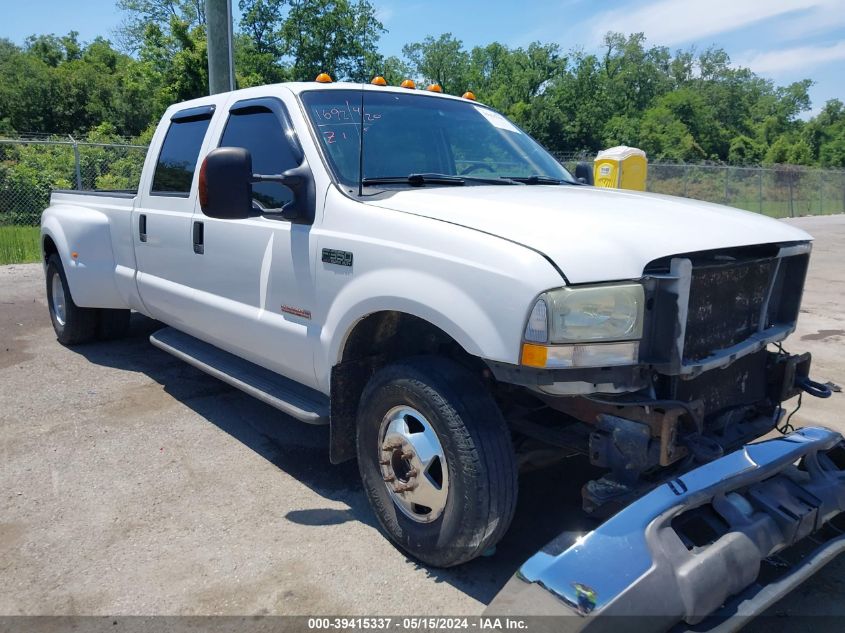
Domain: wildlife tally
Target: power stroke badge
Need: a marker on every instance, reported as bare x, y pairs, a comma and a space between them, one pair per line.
339, 258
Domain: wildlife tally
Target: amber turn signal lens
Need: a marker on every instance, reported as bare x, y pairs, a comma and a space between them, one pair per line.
435, 88
409, 83
202, 186
323, 78
379, 81
534, 355
469, 95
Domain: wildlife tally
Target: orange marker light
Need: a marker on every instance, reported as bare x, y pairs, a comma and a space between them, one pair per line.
75, 255
469, 95
409, 83
379, 81
435, 88
323, 78
534, 355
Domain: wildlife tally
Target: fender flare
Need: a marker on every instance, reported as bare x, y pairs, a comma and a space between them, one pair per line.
91, 277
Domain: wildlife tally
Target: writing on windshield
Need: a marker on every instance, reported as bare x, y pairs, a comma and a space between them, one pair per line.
341, 123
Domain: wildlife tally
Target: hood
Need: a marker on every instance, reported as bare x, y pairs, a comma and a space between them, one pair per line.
593, 234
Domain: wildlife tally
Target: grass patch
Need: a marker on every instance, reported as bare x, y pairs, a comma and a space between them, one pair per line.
19, 244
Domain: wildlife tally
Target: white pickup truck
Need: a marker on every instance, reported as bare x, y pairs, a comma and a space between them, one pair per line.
415, 271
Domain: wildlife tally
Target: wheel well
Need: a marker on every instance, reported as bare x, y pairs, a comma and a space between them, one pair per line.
376, 340
49, 247
397, 335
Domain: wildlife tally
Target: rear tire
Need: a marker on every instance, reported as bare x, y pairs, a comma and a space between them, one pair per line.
72, 324
431, 405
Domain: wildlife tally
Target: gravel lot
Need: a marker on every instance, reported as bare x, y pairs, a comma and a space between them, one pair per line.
131, 483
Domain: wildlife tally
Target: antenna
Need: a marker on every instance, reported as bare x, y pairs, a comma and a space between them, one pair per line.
361, 149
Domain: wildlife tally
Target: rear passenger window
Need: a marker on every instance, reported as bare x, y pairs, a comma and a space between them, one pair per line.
177, 160
259, 130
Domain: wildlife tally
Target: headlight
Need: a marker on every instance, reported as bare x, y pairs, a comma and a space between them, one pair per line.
568, 318
596, 313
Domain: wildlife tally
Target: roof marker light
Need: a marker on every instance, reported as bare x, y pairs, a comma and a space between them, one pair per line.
409, 83
469, 95
435, 88
323, 78
378, 80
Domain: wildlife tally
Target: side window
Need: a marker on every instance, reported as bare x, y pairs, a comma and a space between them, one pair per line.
177, 159
259, 130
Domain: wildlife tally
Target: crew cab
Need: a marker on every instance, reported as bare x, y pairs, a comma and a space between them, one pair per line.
415, 271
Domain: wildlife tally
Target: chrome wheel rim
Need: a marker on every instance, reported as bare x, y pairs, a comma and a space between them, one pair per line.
413, 465
58, 292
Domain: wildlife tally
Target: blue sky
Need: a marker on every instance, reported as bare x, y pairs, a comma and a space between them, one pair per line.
784, 40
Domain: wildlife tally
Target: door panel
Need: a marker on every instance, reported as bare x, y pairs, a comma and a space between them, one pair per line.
161, 222
254, 292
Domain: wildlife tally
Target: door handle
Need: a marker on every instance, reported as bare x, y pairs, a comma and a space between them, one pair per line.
142, 227
199, 238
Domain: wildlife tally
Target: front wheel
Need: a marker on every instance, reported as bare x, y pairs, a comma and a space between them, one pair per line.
436, 460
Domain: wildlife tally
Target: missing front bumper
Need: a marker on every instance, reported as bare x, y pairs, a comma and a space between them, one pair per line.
693, 545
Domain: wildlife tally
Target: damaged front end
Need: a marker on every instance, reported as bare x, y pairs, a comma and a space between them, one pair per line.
725, 539
711, 375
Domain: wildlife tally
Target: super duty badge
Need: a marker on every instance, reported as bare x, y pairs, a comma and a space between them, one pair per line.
341, 258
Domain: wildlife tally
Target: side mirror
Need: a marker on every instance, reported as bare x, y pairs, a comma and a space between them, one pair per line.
584, 173
225, 183
301, 182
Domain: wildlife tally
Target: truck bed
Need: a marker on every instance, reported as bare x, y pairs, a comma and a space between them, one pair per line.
92, 232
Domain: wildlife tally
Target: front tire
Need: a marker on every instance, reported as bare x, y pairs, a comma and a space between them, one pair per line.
72, 324
436, 460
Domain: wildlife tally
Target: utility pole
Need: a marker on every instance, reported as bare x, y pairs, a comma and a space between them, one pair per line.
221, 66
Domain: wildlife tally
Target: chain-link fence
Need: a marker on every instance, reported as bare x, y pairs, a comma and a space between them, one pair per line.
30, 168
781, 191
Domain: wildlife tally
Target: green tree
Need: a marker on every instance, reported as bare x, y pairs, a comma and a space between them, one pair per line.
664, 136
778, 152
832, 153
394, 70
334, 36
800, 153
744, 151
139, 14
510, 79
441, 61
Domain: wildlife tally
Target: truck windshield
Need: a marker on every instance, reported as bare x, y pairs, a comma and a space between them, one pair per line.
427, 137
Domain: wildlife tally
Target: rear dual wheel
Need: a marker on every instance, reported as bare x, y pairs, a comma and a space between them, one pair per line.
436, 460
74, 325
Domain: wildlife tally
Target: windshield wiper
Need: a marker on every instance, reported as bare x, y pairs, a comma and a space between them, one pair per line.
534, 179
416, 180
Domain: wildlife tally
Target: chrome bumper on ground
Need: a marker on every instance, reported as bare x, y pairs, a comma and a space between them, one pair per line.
694, 546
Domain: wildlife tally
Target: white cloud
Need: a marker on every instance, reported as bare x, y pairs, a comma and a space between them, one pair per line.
825, 16
783, 61
670, 22
385, 13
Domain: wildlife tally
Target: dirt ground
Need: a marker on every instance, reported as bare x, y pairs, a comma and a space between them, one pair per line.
131, 483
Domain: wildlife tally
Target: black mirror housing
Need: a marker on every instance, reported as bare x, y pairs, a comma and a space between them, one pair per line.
584, 173
225, 183
301, 182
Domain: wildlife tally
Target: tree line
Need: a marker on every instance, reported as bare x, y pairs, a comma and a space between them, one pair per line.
682, 105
